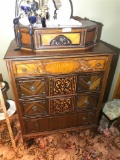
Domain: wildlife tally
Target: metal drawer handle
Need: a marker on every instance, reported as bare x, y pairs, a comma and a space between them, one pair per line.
89, 83
84, 119
86, 102
35, 108
43, 94
98, 64
45, 112
24, 69
36, 125
32, 88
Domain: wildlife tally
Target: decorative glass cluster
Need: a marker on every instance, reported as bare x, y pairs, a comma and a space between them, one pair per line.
30, 11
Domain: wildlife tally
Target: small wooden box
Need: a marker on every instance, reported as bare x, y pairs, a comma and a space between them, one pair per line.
59, 38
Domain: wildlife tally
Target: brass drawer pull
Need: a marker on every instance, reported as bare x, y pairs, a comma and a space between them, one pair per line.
24, 69
32, 88
84, 119
43, 94
34, 108
86, 102
89, 83
45, 112
98, 64
36, 125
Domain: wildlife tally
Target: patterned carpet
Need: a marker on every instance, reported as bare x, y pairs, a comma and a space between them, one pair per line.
75, 145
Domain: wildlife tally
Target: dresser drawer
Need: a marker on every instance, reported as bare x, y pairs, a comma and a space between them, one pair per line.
34, 108
89, 82
33, 125
84, 118
48, 106
58, 66
32, 87
62, 85
87, 101
61, 105
73, 120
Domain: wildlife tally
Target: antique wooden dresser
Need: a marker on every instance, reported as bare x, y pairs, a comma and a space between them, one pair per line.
58, 87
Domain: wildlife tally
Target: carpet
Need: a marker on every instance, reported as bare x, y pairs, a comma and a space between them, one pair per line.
74, 145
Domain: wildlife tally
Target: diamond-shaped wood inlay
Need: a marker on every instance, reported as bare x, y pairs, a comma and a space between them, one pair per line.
32, 88
87, 101
89, 83
34, 108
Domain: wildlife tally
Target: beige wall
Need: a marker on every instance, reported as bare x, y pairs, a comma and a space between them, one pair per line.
6, 34
106, 12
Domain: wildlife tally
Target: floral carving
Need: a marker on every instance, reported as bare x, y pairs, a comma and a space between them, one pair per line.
60, 40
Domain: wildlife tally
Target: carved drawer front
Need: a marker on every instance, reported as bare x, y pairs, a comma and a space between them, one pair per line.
61, 39
61, 105
32, 87
86, 118
72, 120
87, 101
32, 125
59, 66
62, 85
33, 108
63, 121
89, 82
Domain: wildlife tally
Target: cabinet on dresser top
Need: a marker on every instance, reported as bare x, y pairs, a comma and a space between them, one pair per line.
59, 89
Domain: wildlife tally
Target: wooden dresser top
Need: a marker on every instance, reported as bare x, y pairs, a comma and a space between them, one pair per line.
69, 52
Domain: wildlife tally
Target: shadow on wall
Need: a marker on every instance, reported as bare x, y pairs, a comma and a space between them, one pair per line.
113, 63
112, 69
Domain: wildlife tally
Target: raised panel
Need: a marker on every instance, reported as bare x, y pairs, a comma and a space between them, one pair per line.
89, 82
32, 87
33, 125
59, 66
87, 101
91, 36
86, 118
26, 40
46, 39
34, 108
62, 122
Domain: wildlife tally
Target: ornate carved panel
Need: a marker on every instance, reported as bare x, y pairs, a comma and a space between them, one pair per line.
62, 85
60, 40
61, 105
59, 66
